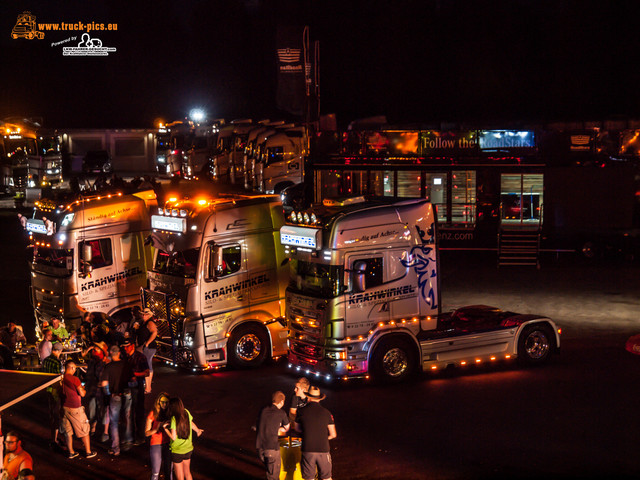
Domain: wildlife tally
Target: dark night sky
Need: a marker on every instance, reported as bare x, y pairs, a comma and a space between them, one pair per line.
414, 61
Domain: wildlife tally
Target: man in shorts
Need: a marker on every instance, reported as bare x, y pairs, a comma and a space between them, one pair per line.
74, 419
317, 427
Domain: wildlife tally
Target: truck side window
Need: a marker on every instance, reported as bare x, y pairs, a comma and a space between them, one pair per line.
226, 263
373, 271
100, 252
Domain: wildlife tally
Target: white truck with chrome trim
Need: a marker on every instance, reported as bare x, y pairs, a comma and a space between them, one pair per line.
364, 298
89, 254
218, 281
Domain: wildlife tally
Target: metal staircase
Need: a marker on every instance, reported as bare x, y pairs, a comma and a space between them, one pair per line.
518, 246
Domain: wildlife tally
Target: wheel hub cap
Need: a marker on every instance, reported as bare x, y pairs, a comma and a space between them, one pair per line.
537, 345
248, 347
395, 362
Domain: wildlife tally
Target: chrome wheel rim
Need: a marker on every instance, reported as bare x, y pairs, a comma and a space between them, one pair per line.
395, 362
537, 345
248, 347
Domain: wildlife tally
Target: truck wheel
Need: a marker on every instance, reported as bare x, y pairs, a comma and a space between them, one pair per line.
247, 347
393, 360
535, 344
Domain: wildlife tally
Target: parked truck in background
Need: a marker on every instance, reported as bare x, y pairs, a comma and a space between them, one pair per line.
201, 148
282, 160
218, 280
89, 253
251, 149
364, 298
229, 159
21, 163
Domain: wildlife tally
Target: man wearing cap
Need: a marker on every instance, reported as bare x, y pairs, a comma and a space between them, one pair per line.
272, 421
146, 340
114, 379
52, 364
317, 427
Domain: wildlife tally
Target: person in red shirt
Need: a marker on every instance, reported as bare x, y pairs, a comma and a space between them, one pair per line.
74, 418
15, 458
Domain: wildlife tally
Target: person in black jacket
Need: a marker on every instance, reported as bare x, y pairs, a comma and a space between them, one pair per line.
272, 421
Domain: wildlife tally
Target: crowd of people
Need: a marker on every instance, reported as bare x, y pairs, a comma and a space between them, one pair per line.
101, 398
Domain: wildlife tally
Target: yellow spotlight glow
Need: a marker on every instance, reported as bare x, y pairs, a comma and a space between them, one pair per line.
463, 362
433, 367
478, 360
173, 199
507, 356
202, 202
493, 358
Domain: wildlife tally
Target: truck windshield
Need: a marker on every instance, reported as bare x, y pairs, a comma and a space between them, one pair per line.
316, 279
180, 264
53, 261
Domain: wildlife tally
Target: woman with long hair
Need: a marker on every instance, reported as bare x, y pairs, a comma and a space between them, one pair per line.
180, 430
159, 442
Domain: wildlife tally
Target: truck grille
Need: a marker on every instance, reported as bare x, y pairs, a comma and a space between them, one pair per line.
166, 308
306, 350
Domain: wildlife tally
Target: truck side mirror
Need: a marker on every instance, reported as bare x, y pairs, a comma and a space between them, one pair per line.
216, 262
359, 272
85, 267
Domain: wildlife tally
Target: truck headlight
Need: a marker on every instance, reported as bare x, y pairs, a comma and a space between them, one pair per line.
188, 340
339, 355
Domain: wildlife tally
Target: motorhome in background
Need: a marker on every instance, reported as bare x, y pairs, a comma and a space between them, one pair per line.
131, 151
521, 193
89, 253
217, 283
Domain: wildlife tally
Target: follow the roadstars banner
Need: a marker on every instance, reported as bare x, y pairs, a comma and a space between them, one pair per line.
290, 50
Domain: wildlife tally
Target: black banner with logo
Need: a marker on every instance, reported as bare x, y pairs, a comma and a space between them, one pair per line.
290, 95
